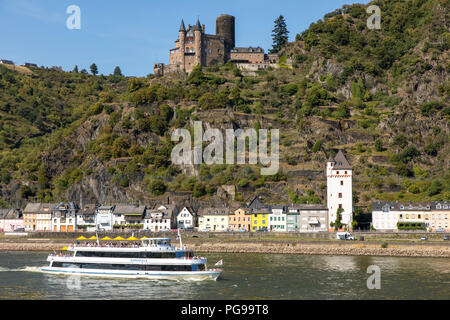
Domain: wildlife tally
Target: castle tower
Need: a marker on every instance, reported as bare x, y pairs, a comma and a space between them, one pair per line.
181, 42
339, 189
225, 27
198, 43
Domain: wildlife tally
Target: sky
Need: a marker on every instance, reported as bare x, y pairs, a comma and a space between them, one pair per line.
135, 34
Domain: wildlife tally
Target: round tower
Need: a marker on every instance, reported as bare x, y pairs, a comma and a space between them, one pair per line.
198, 42
225, 27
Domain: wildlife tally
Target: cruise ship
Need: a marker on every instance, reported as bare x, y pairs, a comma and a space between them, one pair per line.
152, 258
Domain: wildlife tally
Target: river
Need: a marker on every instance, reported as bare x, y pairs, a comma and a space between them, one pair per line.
246, 276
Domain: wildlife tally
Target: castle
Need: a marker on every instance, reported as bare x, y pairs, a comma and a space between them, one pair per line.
195, 47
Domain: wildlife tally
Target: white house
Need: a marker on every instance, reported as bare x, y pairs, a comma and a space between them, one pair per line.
125, 214
278, 218
10, 220
385, 215
313, 217
339, 190
63, 217
186, 218
104, 218
86, 217
161, 218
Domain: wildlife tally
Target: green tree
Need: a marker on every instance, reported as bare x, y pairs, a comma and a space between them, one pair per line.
117, 71
94, 69
157, 187
378, 145
279, 34
75, 70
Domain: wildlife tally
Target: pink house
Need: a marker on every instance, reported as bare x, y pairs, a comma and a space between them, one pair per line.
10, 220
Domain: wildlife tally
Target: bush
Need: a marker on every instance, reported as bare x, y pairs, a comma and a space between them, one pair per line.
157, 187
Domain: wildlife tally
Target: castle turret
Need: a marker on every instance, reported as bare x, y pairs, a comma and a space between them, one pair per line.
198, 42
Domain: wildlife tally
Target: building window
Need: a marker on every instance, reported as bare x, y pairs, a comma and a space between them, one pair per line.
340, 195
340, 205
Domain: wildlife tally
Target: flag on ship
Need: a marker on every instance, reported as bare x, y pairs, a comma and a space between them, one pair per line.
219, 263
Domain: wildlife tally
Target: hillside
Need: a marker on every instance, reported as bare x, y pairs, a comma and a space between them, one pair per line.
382, 96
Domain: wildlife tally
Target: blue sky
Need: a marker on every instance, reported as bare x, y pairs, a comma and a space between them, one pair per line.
138, 33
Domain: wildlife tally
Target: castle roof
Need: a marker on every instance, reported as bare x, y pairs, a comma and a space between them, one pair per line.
341, 162
182, 27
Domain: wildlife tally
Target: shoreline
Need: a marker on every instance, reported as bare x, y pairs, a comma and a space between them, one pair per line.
270, 247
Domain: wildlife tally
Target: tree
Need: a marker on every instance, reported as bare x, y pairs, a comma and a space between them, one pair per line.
157, 187
378, 145
94, 69
117, 71
279, 34
75, 70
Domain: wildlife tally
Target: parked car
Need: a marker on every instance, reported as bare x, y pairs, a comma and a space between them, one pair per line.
344, 236
424, 238
446, 237
19, 230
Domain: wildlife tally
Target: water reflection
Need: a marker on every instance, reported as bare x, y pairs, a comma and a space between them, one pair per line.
246, 276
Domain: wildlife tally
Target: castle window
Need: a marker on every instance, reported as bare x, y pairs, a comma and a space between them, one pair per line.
337, 172
342, 182
345, 172
340, 195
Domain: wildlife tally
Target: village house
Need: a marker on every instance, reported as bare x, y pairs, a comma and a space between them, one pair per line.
161, 218
293, 218
277, 218
214, 219
187, 218
313, 217
86, 217
125, 215
104, 218
260, 219
10, 220
64, 217
439, 216
38, 216
240, 220
395, 216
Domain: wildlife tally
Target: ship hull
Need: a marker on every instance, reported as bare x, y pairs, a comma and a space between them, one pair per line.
150, 275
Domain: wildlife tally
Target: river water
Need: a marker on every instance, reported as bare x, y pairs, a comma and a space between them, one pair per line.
245, 276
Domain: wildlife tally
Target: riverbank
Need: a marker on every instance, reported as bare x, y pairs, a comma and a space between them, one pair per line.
304, 247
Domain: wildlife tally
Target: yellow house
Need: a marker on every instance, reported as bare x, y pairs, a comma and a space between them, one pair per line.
213, 219
260, 219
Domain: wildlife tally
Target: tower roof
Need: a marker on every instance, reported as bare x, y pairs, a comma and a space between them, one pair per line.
341, 162
197, 26
182, 27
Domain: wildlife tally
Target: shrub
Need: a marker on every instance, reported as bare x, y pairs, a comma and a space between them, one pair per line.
157, 187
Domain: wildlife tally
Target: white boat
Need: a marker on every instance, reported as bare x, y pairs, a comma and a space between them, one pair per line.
153, 258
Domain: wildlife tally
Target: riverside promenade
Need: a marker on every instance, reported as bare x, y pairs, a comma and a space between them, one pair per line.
374, 244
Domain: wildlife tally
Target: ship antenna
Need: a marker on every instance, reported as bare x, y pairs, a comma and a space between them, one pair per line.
96, 235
